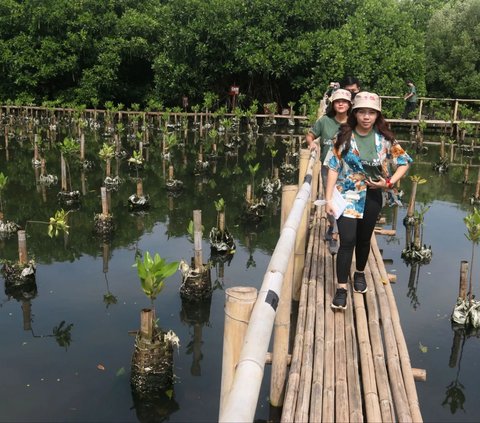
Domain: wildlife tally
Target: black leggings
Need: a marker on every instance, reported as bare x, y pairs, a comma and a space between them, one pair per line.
356, 233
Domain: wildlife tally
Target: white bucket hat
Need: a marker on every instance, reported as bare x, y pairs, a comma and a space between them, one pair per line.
367, 100
341, 94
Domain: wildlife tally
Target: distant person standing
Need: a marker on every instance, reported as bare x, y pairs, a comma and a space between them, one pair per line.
352, 84
410, 99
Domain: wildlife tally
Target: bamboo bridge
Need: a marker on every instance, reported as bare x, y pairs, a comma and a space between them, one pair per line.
350, 366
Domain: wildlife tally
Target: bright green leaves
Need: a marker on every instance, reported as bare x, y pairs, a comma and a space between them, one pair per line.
472, 221
153, 272
58, 223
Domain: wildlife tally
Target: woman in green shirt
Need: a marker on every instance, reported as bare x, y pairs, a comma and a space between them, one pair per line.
325, 130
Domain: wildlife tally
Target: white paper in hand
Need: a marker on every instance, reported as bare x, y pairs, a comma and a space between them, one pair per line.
339, 204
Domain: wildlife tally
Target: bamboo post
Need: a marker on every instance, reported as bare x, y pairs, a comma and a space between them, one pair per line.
248, 195
139, 188
465, 173
22, 247
462, 289
239, 303
147, 317
63, 167
170, 172
197, 239
301, 239
455, 112
103, 194
281, 329
27, 314
420, 108
82, 145
35, 147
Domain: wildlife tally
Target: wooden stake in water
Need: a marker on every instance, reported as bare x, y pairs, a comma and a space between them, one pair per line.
139, 188
82, 145
103, 193
63, 167
197, 239
22, 247
462, 288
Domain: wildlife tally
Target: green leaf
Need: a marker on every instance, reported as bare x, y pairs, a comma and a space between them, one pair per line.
423, 348
120, 371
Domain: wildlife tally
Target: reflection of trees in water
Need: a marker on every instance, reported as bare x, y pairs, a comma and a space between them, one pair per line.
413, 285
454, 395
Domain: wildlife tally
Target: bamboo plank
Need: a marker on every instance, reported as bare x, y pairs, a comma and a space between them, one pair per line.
328, 406
384, 393
292, 388
342, 408
353, 376
303, 400
370, 394
392, 358
402, 346
318, 359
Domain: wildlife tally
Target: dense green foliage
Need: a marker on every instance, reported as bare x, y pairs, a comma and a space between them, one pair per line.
153, 52
452, 49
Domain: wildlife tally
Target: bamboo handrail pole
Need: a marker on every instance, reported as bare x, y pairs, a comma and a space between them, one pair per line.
197, 239
370, 393
400, 338
353, 377
238, 308
392, 356
301, 239
342, 406
281, 331
328, 406
316, 399
303, 400
241, 402
385, 397
291, 391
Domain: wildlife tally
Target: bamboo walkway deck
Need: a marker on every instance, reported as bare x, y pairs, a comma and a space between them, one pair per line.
350, 366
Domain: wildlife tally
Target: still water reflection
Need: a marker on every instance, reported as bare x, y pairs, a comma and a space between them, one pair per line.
66, 347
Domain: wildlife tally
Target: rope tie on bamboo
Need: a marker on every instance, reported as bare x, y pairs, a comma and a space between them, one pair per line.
235, 319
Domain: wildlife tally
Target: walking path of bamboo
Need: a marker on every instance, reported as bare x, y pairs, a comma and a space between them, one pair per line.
350, 366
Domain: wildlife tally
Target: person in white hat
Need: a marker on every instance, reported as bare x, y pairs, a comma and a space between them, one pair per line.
359, 168
325, 130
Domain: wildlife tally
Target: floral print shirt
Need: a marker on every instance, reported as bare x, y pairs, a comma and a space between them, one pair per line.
352, 176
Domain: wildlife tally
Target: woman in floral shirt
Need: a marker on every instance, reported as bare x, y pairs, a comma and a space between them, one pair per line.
360, 168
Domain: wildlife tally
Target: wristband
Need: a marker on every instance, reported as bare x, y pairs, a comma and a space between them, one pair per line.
389, 183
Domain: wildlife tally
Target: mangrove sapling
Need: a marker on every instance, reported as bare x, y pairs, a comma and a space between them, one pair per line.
467, 312
69, 149
441, 165
6, 228
221, 241
173, 186
196, 281
414, 252
106, 153
420, 148
253, 208
23, 270
410, 218
152, 361
139, 201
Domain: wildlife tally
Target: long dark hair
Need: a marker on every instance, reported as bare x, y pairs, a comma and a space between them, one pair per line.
331, 110
344, 135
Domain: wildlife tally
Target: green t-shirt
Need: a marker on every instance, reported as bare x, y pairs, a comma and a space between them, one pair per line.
413, 98
368, 155
325, 128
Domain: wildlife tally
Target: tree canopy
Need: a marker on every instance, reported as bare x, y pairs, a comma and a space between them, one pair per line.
156, 51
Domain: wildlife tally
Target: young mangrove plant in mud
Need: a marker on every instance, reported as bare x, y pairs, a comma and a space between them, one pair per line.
467, 311
442, 164
253, 208
196, 279
152, 360
19, 272
410, 218
414, 252
107, 153
6, 228
221, 241
69, 149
